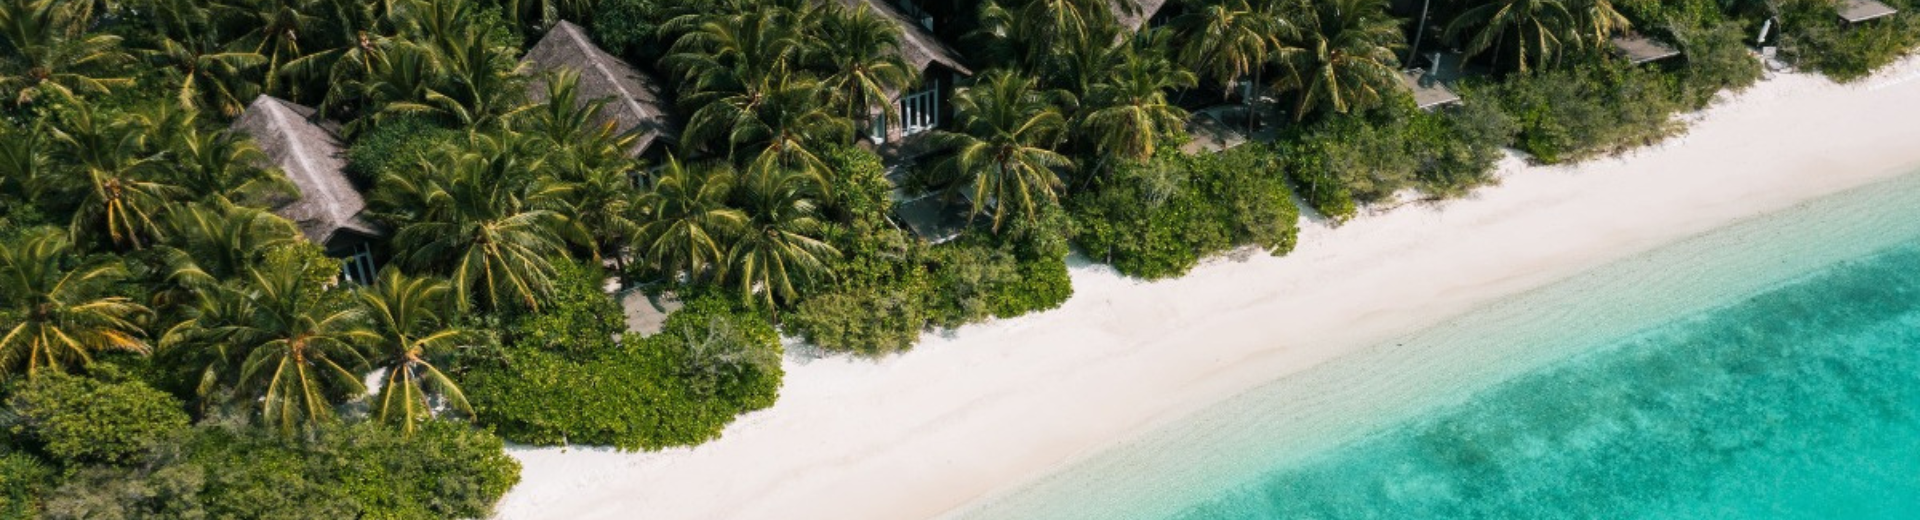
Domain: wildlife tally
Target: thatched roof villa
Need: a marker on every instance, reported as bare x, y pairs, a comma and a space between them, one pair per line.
329, 209
637, 100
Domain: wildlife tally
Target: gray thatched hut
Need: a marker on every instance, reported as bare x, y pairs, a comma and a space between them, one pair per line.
1641, 49
637, 103
329, 209
1428, 91
1856, 11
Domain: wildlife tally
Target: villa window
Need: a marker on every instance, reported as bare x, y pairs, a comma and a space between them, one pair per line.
359, 267
914, 12
920, 111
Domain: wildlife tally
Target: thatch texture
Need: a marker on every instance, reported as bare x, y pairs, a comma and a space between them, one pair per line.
1143, 11
1428, 92
314, 159
1641, 49
1856, 11
920, 47
636, 99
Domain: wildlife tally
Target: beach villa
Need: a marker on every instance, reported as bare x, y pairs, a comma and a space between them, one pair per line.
637, 102
328, 209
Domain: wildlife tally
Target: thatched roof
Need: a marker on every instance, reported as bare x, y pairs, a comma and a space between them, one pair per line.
920, 47
1641, 49
1145, 9
1428, 92
636, 97
1856, 11
314, 159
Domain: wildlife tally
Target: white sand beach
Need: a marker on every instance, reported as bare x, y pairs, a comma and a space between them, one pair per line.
995, 405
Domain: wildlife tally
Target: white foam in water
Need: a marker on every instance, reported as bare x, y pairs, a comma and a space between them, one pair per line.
1290, 421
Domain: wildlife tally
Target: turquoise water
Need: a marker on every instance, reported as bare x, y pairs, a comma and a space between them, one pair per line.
1766, 369
1802, 402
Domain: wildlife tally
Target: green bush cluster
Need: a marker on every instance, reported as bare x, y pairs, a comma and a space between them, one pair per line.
1815, 39
1158, 219
890, 287
1340, 163
392, 146
125, 450
78, 420
1570, 114
577, 320
712, 361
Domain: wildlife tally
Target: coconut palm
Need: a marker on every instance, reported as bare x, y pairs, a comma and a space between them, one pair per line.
410, 325
1596, 20
859, 50
275, 30
219, 165
293, 340
54, 53
1346, 59
1128, 112
210, 77
1225, 41
573, 130
479, 214
1003, 152
57, 314
112, 164
26, 170
687, 218
1532, 32
726, 54
217, 241
482, 84
777, 248
1040, 28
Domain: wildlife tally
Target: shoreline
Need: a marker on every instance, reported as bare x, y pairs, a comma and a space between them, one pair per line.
992, 407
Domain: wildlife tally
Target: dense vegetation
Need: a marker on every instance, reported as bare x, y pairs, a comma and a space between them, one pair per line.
170, 347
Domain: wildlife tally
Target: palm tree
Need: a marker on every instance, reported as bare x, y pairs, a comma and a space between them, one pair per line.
482, 216
219, 165
1228, 40
687, 218
860, 52
1533, 28
482, 84
26, 170
1129, 112
573, 130
276, 30
1040, 28
410, 326
210, 77
1596, 21
1347, 58
57, 316
55, 54
1004, 148
112, 159
293, 338
217, 241
777, 246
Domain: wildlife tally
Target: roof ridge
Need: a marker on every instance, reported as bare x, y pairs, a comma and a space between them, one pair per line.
594, 55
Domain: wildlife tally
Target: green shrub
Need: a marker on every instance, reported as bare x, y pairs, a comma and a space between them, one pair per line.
1158, 219
1043, 283
81, 420
1310, 169
669, 389
444, 470
366, 470
1568, 115
1813, 38
393, 146
578, 319
23, 484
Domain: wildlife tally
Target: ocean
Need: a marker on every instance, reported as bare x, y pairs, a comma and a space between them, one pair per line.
1768, 369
